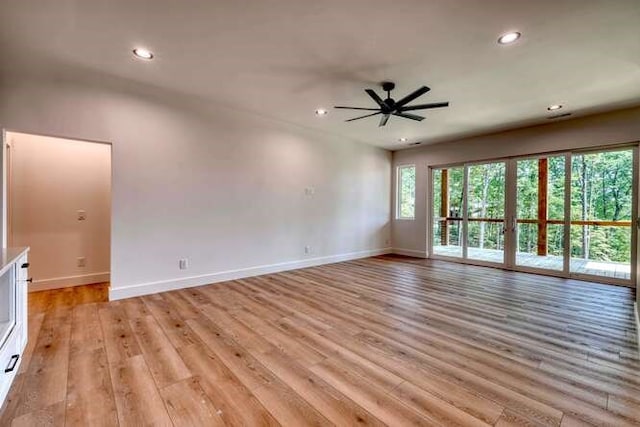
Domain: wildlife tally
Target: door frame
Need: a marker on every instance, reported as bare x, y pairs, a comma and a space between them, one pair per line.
465, 214
513, 211
6, 228
510, 243
634, 216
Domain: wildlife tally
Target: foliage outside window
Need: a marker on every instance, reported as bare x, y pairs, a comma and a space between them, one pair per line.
602, 190
406, 192
601, 202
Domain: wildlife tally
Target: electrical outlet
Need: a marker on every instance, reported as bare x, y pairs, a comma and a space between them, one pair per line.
184, 264
307, 249
82, 215
81, 262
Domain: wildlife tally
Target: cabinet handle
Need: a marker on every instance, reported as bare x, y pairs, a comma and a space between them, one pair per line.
12, 363
25, 265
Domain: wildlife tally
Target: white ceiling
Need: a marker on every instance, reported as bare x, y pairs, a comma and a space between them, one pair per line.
285, 58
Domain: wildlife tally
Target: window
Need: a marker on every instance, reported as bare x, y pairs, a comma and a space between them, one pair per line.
569, 213
406, 192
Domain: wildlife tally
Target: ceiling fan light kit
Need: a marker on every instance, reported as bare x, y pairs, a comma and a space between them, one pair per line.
390, 107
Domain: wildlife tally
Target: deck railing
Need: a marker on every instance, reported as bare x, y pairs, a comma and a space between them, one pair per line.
542, 227
597, 223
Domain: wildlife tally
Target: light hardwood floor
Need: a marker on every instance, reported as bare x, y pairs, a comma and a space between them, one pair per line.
385, 340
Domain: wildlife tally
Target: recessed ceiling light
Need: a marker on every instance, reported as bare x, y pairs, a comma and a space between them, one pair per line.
321, 112
508, 38
554, 107
402, 140
142, 53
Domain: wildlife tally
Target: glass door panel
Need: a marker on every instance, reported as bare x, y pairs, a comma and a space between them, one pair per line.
567, 214
540, 213
601, 213
7, 305
448, 186
486, 212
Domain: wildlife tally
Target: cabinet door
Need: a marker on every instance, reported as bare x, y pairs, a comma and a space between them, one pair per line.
9, 364
22, 274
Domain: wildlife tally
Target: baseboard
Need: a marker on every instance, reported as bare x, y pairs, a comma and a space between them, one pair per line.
206, 279
410, 252
66, 282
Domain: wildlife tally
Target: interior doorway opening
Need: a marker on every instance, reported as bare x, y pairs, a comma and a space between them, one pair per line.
58, 198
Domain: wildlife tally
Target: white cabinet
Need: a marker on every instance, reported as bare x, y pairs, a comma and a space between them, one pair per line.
14, 273
22, 277
9, 364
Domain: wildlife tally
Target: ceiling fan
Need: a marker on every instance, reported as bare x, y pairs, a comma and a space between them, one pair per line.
390, 107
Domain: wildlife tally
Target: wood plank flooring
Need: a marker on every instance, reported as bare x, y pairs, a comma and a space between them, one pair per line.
386, 340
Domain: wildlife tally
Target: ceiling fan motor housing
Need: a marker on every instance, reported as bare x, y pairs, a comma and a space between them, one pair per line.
388, 105
388, 86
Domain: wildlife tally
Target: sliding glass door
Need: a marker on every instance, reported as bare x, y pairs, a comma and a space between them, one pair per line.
602, 189
448, 201
485, 224
469, 212
540, 213
568, 214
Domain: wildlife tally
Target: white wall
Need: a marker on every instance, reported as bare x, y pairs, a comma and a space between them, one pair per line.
223, 188
49, 180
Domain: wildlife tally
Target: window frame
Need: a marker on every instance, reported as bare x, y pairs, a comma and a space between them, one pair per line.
399, 198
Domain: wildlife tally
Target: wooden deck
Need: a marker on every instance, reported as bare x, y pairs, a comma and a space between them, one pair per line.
616, 270
381, 341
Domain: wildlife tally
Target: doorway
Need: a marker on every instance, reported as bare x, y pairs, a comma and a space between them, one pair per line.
566, 214
59, 204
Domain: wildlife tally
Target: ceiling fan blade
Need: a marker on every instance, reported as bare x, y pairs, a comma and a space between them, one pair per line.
413, 95
384, 119
362, 117
357, 108
409, 116
424, 106
375, 97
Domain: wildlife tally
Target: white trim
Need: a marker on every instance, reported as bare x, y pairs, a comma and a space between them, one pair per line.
206, 279
410, 252
510, 225
465, 211
634, 217
635, 309
566, 244
429, 204
66, 282
3, 189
